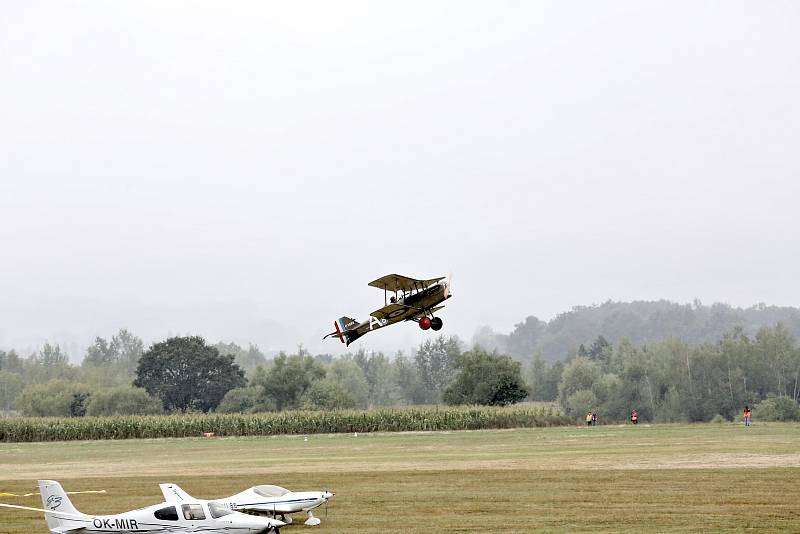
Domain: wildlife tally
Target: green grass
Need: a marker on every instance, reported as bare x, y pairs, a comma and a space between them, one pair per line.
664, 478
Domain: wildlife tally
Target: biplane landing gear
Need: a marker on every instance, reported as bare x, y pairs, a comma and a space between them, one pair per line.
434, 323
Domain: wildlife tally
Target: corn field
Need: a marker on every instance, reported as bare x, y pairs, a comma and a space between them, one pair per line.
28, 429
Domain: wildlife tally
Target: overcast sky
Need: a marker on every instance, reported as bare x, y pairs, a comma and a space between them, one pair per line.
243, 170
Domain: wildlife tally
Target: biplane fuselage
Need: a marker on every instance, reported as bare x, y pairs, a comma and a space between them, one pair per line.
405, 299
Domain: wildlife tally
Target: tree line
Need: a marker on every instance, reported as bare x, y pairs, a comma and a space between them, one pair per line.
671, 380
639, 322
668, 380
180, 374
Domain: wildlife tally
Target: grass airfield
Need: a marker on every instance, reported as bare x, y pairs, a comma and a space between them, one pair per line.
660, 478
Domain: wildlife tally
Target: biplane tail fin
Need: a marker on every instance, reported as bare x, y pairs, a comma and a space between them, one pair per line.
346, 323
343, 326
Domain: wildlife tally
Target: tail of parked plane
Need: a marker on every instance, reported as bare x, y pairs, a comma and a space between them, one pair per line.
174, 493
54, 498
343, 326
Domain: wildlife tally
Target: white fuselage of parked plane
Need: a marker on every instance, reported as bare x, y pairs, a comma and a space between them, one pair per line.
189, 515
160, 518
262, 500
288, 503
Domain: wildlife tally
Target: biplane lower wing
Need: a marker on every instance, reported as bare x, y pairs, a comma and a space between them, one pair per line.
398, 312
393, 311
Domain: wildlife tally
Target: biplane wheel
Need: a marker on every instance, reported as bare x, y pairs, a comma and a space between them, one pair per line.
436, 324
424, 323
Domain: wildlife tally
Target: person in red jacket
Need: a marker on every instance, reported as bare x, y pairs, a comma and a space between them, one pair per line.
746, 414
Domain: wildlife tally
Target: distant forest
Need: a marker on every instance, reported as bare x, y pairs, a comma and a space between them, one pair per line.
669, 362
640, 322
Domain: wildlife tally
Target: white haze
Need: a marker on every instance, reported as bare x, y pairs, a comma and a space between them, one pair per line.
242, 170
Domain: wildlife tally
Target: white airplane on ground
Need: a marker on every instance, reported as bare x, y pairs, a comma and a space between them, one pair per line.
209, 517
271, 501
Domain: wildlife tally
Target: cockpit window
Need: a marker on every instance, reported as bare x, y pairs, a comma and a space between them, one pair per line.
270, 491
218, 509
166, 514
193, 512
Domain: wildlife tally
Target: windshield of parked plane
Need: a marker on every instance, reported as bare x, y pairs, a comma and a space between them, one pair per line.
218, 510
166, 514
193, 512
270, 491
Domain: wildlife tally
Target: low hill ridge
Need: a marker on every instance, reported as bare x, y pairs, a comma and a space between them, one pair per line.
639, 321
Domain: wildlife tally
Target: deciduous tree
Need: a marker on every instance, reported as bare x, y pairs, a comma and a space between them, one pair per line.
185, 373
435, 361
487, 379
290, 377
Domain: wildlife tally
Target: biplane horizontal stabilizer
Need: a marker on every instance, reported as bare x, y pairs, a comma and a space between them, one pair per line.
343, 325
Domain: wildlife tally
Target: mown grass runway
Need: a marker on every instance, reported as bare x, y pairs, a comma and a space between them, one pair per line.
663, 478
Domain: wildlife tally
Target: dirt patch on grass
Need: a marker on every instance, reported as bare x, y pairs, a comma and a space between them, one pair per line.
661, 462
711, 461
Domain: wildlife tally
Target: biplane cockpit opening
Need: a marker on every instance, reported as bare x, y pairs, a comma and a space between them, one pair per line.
411, 299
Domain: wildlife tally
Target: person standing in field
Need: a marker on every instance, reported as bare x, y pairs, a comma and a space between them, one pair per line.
589, 419
634, 417
746, 414
594, 419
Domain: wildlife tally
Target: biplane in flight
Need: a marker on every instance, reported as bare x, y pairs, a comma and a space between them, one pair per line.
411, 300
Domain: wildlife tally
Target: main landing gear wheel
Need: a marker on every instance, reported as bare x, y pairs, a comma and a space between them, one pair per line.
424, 323
436, 324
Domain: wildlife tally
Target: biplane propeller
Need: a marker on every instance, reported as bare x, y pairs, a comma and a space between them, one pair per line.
411, 300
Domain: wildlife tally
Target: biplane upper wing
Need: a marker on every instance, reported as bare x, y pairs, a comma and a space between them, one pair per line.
397, 282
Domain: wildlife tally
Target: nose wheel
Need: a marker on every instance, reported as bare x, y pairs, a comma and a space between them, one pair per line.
312, 521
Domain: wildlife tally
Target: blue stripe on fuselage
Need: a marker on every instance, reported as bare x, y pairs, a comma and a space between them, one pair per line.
274, 502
